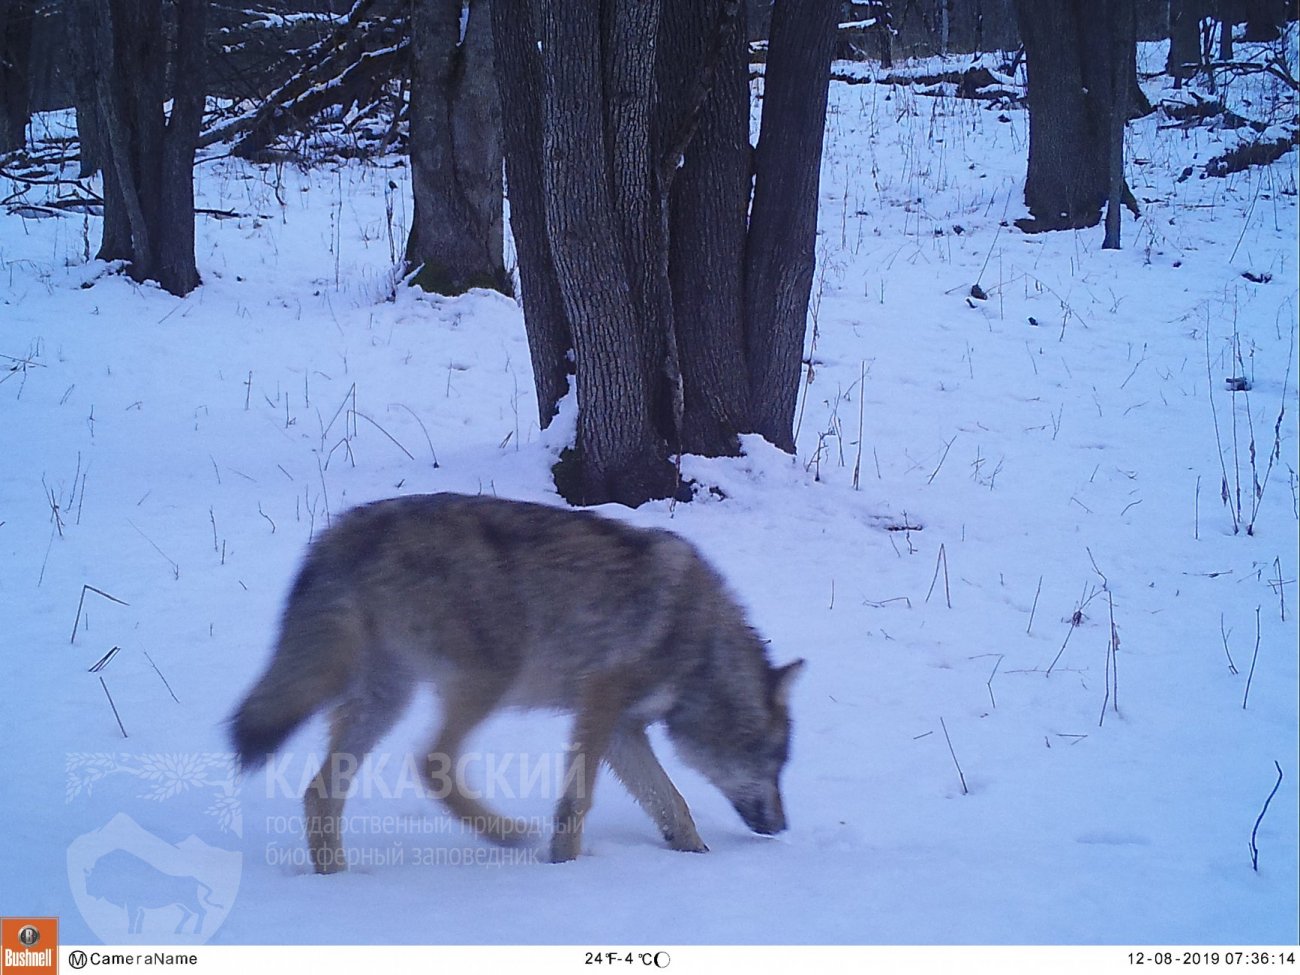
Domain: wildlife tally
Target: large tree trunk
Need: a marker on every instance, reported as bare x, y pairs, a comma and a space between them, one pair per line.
619, 454
148, 159
1184, 57
781, 250
1073, 63
17, 18
1264, 19
634, 232
707, 215
456, 241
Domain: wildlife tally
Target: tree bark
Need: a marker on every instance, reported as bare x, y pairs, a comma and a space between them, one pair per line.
1227, 13
177, 270
1077, 73
518, 69
89, 138
619, 454
148, 159
17, 18
781, 251
709, 198
641, 261
1121, 16
1184, 57
457, 238
1264, 20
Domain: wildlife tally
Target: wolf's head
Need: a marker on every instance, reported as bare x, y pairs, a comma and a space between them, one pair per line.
741, 746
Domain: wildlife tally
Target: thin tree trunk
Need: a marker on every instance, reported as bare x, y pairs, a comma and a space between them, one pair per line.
89, 136
1184, 39
1225, 10
177, 271
707, 215
17, 18
518, 70
781, 251
456, 240
630, 33
148, 159
1122, 18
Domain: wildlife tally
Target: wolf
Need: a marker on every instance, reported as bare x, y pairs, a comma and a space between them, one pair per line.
503, 603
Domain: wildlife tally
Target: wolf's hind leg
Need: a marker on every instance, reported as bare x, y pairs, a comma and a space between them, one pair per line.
631, 758
356, 724
466, 705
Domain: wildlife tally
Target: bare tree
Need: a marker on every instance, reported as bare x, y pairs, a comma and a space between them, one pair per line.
456, 240
1184, 58
1080, 59
16, 21
680, 301
147, 155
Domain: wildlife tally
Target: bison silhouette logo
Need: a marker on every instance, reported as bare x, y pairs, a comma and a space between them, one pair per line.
124, 879
134, 887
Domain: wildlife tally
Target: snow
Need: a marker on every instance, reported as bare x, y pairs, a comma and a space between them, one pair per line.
973, 479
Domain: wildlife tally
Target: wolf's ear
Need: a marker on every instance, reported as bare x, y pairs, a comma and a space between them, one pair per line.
782, 678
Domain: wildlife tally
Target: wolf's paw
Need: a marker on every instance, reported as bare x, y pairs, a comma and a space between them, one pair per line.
565, 847
687, 843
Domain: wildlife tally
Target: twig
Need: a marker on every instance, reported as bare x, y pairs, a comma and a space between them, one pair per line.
425, 429
1068, 634
1276, 453
1232, 667
1218, 438
946, 447
941, 558
960, 775
409, 455
161, 677
1091, 559
989, 682
1253, 658
1280, 584
1034, 607
103, 661
176, 569
862, 385
1254, 849
81, 602
1196, 510
325, 492
1112, 665
350, 394
120, 726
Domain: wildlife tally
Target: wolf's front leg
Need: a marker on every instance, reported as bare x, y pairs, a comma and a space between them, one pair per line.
598, 716
631, 758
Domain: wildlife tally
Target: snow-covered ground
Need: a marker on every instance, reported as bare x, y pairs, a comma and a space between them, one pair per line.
1048, 682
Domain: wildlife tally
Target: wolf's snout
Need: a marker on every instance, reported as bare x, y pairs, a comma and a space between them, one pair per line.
764, 818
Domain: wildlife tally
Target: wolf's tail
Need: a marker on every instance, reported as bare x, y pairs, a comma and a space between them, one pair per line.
312, 667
